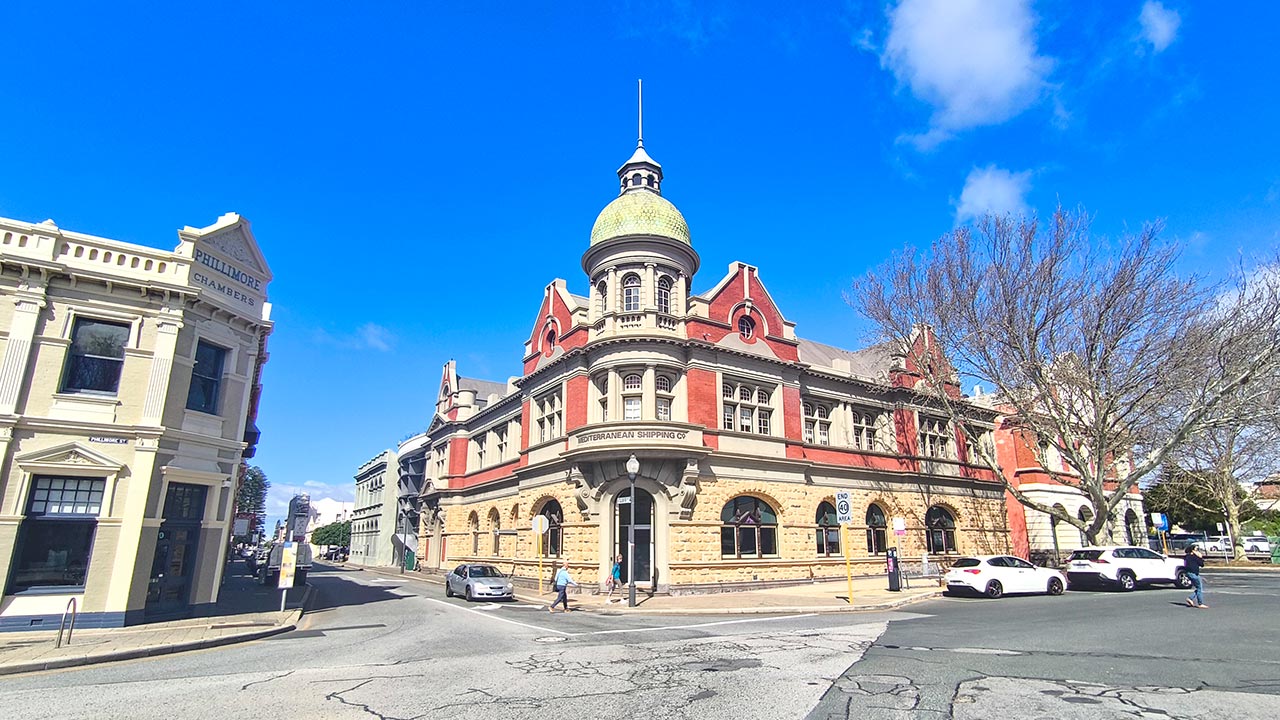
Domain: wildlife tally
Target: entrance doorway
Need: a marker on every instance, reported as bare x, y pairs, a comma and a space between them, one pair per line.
644, 535
177, 543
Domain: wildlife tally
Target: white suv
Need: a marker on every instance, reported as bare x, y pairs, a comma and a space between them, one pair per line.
1256, 544
1124, 567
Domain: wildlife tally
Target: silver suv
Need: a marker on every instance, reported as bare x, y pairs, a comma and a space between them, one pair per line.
1124, 567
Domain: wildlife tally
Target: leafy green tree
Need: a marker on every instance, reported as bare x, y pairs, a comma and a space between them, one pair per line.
337, 533
251, 493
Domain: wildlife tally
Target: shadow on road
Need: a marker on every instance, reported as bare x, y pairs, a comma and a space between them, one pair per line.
334, 590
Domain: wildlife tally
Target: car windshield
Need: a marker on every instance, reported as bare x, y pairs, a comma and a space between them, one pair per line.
966, 562
1086, 555
484, 571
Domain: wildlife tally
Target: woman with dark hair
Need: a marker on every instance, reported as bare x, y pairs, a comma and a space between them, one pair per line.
1192, 562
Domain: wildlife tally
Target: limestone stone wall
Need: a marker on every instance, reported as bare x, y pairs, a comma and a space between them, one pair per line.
691, 555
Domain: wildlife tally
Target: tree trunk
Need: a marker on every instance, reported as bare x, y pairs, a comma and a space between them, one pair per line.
1233, 528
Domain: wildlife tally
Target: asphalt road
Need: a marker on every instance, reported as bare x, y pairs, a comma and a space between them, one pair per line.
396, 648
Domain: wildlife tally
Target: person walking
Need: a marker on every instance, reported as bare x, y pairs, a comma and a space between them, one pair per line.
615, 576
562, 582
1192, 562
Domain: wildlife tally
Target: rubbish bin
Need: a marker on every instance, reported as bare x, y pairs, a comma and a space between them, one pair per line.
893, 570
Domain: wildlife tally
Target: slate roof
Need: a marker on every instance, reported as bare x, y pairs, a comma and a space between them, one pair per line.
872, 362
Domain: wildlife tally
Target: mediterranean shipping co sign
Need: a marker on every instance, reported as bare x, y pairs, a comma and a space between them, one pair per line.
641, 436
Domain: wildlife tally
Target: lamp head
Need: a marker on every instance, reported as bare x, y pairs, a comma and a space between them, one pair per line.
633, 466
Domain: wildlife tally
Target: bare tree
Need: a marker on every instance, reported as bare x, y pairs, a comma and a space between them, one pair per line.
1085, 342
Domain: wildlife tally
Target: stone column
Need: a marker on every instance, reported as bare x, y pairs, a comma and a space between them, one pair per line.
28, 303
649, 394
161, 371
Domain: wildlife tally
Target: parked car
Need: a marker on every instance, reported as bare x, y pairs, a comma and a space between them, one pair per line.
1257, 544
476, 582
1124, 567
269, 565
997, 575
1217, 545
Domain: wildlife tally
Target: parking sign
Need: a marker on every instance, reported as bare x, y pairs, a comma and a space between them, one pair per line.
844, 508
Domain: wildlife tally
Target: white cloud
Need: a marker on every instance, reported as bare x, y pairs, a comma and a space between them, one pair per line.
369, 336
995, 190
1159, 24
974, 61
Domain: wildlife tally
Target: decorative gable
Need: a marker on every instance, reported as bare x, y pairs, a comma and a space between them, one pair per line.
71, 456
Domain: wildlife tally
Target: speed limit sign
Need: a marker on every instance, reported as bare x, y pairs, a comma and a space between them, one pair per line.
844, 508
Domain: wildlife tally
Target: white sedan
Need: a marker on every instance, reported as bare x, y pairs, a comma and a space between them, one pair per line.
995, 575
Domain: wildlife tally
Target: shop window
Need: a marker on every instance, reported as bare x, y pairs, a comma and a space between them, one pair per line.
749, 528
553, 538
206, 378
876, 526
96, 356
940, 530
828, 532
55, 540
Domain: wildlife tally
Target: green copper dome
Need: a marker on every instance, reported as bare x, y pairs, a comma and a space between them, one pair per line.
640, 212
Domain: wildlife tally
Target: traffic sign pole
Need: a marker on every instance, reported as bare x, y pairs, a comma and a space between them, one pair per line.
844, 516
539, 526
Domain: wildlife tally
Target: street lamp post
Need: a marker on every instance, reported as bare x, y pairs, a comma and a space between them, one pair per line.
633, 467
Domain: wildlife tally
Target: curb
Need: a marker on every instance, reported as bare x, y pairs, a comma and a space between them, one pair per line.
290, 623
618, 611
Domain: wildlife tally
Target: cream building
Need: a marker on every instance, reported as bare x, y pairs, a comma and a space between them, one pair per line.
373, 522
128, 391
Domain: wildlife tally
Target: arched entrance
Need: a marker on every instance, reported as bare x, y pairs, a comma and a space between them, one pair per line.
644, 535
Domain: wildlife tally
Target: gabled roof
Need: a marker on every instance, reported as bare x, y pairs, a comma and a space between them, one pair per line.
872, 362
482, 388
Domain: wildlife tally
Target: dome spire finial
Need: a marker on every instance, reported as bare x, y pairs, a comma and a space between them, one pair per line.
641, 172
640, 113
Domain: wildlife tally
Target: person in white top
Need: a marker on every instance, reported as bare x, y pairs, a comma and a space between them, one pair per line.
562, 583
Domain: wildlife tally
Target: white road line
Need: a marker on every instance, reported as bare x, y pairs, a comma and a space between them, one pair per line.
698, 625
494, 616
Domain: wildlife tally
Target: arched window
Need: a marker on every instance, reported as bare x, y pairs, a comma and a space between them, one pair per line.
664, 294
662, 383
1133, 528
473, 525
828, 530
553, 538
631, 293
495, 527
726, 390
746, 327
602, 296
940, 530
750, 528
1085, 515
662, 386
876, 525
631, 382
551, 342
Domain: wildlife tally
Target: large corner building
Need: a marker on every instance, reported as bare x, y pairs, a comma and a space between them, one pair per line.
744, 431
128, 391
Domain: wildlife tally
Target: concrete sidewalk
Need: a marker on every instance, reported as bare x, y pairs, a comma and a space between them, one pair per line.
869, 593
243, 613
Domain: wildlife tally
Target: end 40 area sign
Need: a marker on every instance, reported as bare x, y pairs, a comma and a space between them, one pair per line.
844, 508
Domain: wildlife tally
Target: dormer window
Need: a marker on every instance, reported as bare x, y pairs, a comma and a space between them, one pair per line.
746, 328
631, 293
664, 295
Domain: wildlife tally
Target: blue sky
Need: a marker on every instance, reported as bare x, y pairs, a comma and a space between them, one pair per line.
416, 173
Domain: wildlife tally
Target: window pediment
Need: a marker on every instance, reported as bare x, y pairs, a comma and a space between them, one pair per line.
68, 457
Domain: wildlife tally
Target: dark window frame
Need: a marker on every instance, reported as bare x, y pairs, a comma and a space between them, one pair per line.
80, 364
205, 391
54, 527
745, 529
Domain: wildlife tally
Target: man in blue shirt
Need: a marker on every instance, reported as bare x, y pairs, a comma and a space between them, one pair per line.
562, 582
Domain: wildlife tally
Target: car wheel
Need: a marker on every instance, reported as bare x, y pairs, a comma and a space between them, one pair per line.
994, 589
468, 593
448, 590
1055, 586
1127, 581
1181, 580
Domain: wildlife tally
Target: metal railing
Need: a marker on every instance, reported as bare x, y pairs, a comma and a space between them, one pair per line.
71, 608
